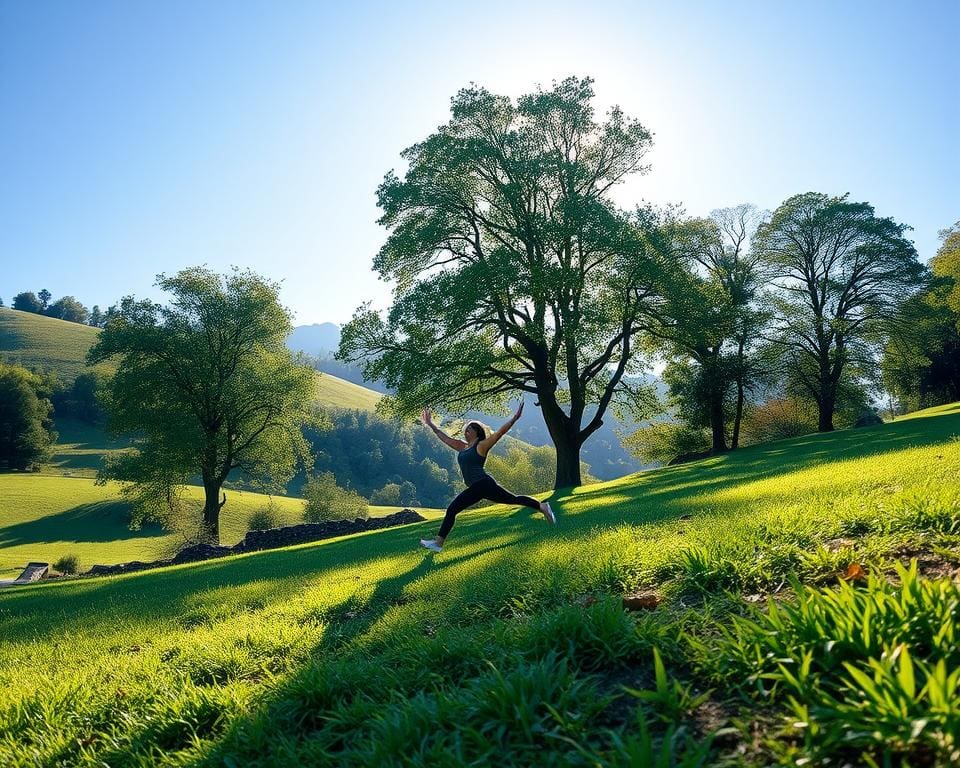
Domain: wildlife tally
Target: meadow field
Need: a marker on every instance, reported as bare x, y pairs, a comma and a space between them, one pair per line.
55, 345
801, 609
47, 517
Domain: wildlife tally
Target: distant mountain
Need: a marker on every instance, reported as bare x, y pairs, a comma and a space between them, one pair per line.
320, 339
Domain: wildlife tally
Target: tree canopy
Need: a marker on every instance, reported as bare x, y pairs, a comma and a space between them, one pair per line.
513, 268
25, 418
839, 271
209, 385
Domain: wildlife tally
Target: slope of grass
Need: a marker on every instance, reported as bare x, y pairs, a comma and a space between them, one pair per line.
45, 342
46, 517
339, 393
511, 646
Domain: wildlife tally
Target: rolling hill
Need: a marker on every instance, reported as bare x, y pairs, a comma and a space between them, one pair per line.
779, 623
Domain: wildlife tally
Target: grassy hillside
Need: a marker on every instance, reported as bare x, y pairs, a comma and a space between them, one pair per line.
337, 393
38, 341
512, 646
35, 340
45, 518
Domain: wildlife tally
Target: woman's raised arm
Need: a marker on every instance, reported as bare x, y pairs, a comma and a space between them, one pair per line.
427, 420
484, 446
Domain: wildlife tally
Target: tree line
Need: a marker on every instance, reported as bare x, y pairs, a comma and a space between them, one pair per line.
67, 308
516, 272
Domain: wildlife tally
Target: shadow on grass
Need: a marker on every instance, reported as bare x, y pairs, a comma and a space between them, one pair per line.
99, 521
668, 492
97, 605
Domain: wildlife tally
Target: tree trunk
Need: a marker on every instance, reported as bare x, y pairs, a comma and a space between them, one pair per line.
826, 406
717, 422
568, 464
566, 439
735, 440
211, 508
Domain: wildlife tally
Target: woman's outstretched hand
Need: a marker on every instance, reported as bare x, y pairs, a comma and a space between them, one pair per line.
519, 413
426, 418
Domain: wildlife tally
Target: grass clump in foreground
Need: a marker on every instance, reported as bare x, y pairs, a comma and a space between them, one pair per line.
512, 645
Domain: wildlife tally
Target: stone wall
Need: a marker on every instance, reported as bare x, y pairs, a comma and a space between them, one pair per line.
273, 538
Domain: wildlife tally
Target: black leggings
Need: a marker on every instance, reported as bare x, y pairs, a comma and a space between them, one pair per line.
487, 488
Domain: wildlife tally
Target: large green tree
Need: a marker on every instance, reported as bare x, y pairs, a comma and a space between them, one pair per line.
839, 273
708, 322
25, 418
209, 386
513, 269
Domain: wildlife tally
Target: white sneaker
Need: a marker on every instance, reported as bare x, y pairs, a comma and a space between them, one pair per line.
548, 513
431, 544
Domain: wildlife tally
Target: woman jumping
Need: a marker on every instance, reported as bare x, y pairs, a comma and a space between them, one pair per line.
471, 456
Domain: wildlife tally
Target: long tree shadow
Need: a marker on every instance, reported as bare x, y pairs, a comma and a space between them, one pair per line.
99, 521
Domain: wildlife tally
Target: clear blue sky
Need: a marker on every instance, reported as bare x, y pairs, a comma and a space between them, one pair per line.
143, 137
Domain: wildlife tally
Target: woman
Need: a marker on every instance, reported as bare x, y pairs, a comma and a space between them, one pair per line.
471, 456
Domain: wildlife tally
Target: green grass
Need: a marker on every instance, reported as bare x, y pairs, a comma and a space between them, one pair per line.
334, 392
511, 646
46, 517
45, 342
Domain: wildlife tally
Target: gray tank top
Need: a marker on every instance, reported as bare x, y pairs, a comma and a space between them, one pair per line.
471, 464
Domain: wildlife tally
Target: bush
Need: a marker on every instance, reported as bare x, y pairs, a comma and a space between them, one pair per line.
777, 420
328, 501
264, 518
666, 440
67, 564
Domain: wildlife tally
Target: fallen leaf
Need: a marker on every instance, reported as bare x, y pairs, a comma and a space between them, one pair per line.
855, 572
641, 601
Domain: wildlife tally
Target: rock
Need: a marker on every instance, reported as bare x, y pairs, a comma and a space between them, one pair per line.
642, 601
868, 418
201, 552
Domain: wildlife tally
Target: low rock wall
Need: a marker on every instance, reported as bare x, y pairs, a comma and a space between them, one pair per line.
272, 538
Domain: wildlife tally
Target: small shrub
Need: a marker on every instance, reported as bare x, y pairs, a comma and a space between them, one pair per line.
665, 441
264, 518
327, 501
777, 420
69, 564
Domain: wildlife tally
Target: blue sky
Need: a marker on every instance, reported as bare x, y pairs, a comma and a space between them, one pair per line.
143, 137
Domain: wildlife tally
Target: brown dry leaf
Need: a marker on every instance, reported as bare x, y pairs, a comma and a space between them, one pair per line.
855, 572
641, 601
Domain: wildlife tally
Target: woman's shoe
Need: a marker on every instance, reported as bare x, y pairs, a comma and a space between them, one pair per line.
431, 545
548, 513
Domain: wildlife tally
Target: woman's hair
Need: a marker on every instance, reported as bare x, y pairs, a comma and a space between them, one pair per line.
478, 428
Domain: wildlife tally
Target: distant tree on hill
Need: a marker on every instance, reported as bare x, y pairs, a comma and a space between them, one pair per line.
209, 385
70, 309
514, 269
839, 273
44, 297
26, 429
27, 302
80, 400
96, 317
